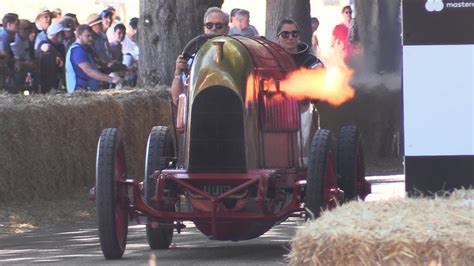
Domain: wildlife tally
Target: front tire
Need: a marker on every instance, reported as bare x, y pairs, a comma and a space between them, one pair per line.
112, 201
159, 148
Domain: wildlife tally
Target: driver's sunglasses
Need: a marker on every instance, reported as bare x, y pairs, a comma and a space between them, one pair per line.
286, 34
218, 25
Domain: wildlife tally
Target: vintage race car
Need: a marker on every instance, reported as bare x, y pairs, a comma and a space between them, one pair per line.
241, 158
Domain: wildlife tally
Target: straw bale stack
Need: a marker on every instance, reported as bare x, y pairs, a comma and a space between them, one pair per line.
422, 231
48, 142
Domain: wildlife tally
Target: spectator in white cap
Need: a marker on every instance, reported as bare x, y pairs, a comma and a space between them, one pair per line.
42, 22
51, 56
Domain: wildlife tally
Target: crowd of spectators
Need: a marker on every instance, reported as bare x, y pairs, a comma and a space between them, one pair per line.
41, 55
35, 55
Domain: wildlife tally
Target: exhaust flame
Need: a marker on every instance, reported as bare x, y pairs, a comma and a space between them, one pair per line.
330, 84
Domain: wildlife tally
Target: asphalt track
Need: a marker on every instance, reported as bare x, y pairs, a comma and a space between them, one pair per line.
79, 245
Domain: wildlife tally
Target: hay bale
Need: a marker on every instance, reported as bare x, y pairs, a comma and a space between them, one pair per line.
399, 232
48, 142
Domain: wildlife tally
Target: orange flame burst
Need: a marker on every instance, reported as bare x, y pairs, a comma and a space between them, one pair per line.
330, 84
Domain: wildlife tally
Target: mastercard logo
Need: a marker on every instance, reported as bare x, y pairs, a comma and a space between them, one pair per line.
434, 5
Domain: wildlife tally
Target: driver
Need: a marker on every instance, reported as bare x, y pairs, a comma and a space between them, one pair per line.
215, 22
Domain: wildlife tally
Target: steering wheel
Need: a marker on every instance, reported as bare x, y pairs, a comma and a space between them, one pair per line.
193, 45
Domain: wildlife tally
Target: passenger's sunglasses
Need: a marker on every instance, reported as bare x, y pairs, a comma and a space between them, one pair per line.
210, 25
347, 12
286, 34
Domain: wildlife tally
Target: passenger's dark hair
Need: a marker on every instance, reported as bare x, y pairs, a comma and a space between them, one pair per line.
9, 18
345, 8
315, 20
286, 21
82, 28
120, 26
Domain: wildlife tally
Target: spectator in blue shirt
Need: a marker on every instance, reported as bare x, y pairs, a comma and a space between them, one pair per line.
81, 69
7, 38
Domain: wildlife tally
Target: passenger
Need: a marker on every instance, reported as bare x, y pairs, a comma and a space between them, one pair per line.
82, 73
289, 38
215, 22
243, 27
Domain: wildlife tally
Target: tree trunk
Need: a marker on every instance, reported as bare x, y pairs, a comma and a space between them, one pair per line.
165, 27
299, 10
379, 26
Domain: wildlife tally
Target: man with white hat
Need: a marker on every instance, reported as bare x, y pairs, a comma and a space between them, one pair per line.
42, 22
51, 55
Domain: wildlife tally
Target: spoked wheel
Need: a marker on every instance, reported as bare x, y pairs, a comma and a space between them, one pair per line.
321, 177
350, 163
112, 201
160, 149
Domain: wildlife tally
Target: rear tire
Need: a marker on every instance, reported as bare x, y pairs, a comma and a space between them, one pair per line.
350, 162
320, 172
111, 196
160, 146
